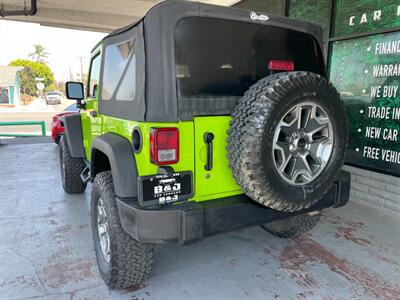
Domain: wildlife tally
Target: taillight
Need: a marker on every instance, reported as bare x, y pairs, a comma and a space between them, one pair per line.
164, 146
281, 65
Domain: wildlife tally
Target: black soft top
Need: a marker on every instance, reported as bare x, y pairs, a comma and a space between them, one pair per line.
168, 9
160, 103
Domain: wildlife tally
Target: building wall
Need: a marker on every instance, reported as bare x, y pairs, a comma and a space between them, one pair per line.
11, 92
17, 91
373, 188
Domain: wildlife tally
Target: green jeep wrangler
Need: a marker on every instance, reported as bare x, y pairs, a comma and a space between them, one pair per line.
199, 119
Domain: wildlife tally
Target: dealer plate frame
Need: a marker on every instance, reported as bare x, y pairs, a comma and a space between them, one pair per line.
156, 201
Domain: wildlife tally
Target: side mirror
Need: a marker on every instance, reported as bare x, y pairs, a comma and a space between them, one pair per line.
74, 91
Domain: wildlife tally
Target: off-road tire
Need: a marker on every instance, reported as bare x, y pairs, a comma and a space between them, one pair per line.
57, 139
251, 132
293, 226
130, 261
71, 169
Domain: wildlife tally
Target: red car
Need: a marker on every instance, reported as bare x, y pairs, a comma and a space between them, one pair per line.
57, 127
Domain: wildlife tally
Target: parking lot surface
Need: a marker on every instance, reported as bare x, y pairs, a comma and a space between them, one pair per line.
46, 249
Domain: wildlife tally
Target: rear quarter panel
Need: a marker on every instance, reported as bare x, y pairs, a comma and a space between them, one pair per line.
192, 153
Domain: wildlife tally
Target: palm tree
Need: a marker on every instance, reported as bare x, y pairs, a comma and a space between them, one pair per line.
40, 54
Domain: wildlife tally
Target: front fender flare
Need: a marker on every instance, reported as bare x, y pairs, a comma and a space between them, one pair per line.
120, 154
73, 133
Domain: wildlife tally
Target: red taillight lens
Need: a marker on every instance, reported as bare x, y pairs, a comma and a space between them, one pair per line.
281, 65
164, 146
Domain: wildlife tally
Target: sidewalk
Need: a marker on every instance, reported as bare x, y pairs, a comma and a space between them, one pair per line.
38, 105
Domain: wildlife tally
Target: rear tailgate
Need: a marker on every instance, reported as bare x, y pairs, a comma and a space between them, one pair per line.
217, 182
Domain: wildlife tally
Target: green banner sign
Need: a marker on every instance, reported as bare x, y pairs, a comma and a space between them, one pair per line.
367, 73
358, 16
314, 11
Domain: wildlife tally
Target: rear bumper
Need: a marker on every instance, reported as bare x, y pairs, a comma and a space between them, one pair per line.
191, 221
53, 101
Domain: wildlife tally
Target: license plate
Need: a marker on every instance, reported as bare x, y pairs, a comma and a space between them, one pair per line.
164, 189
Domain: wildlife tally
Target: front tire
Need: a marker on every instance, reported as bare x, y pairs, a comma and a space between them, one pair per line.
122, 261
57, 139
71, 169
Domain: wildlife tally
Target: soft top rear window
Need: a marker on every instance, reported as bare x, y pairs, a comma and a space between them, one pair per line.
220, 59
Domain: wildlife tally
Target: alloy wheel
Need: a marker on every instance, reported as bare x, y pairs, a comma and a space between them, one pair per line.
303, 143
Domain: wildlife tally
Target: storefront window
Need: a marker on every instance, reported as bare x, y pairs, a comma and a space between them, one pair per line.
359, 16
313, 11
366, 71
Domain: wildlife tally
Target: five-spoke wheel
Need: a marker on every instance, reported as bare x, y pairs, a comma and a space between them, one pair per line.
102, 226
303, 143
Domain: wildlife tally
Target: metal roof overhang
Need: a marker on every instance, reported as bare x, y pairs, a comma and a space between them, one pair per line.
92, 15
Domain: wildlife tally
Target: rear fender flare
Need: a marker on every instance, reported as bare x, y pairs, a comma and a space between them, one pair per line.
122, 162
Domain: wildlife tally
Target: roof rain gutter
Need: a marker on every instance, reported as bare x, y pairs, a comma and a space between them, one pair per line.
23, 12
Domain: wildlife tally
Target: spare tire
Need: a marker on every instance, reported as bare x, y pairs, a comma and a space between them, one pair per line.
287, 140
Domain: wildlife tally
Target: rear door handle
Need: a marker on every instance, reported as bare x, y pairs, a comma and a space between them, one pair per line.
208, 139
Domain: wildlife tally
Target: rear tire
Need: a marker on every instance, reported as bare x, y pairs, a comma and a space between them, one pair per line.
293, 226
71, 169
124, 262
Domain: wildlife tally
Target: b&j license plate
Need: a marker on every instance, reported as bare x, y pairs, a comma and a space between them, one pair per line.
163, 189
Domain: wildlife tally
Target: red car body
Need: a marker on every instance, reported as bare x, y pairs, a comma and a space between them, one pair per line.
57, 126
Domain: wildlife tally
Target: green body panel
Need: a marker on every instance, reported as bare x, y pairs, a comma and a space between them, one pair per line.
192, 149
218, 182
91, 127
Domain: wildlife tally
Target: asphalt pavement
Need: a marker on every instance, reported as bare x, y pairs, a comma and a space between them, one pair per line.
46, 249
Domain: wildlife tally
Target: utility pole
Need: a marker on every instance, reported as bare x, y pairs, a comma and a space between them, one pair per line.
81, 61
71, 76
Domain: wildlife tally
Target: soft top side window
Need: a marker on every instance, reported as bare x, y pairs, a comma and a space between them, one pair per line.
122, 75
119, 75
94, 76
